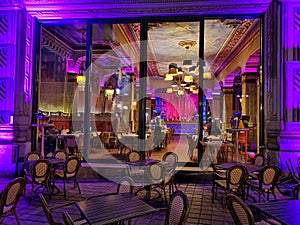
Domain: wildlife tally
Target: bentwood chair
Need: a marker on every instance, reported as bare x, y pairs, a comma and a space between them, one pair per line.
40, 174
242, 214
125, 186
134, 171
67, 219
170, 159
266, 182
157, 179
233, 183
69, 172
259, 160
177, 209
60, 154
31, 156
50, 210
10, 197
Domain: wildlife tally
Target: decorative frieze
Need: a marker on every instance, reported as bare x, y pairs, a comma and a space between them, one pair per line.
6, 94
6, 55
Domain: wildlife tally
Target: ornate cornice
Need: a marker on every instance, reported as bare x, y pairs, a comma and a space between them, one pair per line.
138, 8
55, 45
232, 42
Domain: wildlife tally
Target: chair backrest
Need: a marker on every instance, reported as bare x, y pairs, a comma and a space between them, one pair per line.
59, 154
236, 175
171, 158
72, 166
67, 219
32, 156
11, 194
269, 175
47, 210
41, 170
134, 156
156, 173
239, 211
125, 185
177, 208
259, 160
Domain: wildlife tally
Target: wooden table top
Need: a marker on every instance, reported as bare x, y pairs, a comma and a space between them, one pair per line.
286, 212
113, 208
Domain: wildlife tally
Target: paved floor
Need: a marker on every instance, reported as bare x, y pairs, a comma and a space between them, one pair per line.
202, 211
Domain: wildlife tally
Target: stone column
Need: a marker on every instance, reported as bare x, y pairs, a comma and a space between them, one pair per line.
249, 103
289, 67
227, 105
15, 85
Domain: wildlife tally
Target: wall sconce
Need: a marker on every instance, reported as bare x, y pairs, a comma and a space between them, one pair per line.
80, 79
240, 97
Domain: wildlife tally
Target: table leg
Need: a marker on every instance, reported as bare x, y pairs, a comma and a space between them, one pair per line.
237, 146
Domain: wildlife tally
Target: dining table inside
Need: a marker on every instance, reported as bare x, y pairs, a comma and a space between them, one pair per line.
115, 208
285, 211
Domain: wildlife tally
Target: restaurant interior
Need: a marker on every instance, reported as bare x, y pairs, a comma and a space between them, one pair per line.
179, 94
149, 112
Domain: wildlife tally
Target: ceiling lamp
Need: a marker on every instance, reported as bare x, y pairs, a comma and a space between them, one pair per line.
187, 63
174, 85
180, 92
173, 71
169, 90
188, 79
168, 77
80, 79
206, 75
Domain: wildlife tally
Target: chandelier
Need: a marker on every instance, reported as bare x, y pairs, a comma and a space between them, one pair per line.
182, 78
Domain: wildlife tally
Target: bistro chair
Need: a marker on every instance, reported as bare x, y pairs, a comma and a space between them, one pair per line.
67, 219
30, 157
235, 178
171, 159
259, 160
39, 175
157, 179
177, 209
125, 186
134, 171
60, 154
10, 197
50, 210
242, 214
69, 172
266, 182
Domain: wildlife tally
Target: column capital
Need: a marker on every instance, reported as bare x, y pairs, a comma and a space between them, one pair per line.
227, 90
